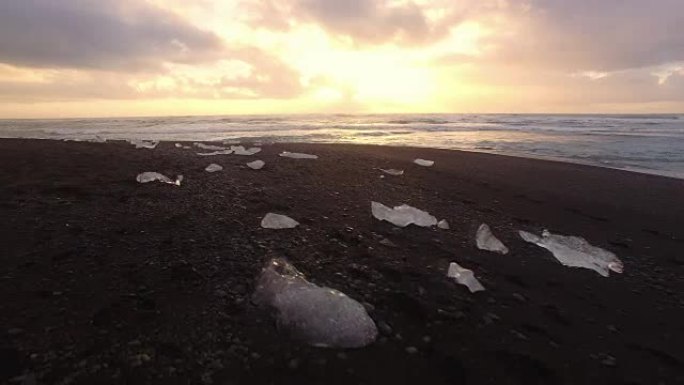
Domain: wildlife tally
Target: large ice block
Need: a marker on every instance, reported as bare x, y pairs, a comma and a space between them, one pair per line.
319, 316
576, 252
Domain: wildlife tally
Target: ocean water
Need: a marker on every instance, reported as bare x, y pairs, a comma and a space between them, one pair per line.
643, 143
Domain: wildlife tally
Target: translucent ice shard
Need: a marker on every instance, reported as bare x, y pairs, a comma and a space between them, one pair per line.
209, 147
239, 150
149, 144
576, 252
151, 176
219, 152
319, 316
256, 165
443, 224
464, 277
277, 221
213, 167
485, 240
297, 155
392, 171
424, 162
403, 215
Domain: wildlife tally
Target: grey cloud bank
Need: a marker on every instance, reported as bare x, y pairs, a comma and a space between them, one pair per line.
102, 34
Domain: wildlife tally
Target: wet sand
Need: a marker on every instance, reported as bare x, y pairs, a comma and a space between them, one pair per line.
107, 281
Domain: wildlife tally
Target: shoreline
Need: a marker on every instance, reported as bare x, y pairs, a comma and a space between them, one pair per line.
105, 280
636, 170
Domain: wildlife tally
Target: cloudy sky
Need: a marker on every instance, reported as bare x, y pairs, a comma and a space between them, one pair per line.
62, 58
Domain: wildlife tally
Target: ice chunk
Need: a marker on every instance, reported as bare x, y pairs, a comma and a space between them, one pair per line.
403, 215
149, 144
277, 221
256, 165
465, 277
151, 176
209, 147
319, 316
297, 155
239, 150
443, 224
576, 252
485, 240
213, 168
178, 145
220, 152
392, 171
423, 162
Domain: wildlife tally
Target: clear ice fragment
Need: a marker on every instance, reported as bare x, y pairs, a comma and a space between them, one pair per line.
485, 240
424, 162
149, 144
392, 171
213, 167
151, 176
219, 152
256, 165
403, 215
318, 316
209, 146
240, 150
464, 277
576, 252
297, 155
277, 221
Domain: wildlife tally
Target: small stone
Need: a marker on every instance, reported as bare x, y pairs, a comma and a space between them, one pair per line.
411, 350
427, 339
519, 297
387, 242
342, 356
134, 343
608, 360
293, 364
369, 307
612, 328
490, 318
384, 328
220, 293
519, 335
29, 379
15, 331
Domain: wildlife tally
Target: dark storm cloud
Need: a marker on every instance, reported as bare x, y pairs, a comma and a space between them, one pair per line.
98, 34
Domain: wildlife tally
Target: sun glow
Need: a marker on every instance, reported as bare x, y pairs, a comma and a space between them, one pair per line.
387, 75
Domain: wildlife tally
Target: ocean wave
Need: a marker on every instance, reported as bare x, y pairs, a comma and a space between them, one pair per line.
638, 141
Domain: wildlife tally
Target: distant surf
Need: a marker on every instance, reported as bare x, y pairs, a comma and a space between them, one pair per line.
642, 143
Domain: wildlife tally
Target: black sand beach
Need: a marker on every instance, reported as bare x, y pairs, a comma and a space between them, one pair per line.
107, 281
